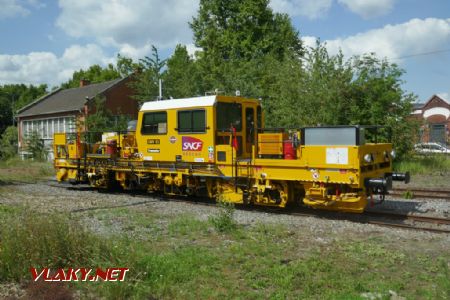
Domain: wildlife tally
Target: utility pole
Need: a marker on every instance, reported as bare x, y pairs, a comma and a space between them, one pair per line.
160, 90
12, 107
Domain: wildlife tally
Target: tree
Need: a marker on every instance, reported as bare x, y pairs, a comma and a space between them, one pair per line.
327, 90
146, 83
236, 37
126, 66
378, 99
15, 96
8, 143
94, 74
35, 145
180, 78
103, 120
242, 29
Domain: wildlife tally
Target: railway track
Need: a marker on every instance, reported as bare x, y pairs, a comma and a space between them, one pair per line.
399, 221
421, 193
381, 218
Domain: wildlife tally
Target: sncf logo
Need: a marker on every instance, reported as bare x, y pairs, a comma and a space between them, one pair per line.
191, 144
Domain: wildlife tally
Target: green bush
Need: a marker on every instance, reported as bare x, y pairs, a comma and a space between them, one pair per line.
224, 221
35, 145
8, 143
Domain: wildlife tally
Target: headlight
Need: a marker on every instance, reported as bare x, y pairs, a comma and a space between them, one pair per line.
393, 154
368, 158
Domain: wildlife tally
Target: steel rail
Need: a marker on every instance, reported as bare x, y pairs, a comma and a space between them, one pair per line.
357, 218
418, 193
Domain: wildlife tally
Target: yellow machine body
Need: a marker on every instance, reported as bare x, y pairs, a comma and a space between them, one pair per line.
217, 146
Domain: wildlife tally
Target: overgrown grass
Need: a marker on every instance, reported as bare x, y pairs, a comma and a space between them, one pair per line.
46, 241
190, 258
268, 261
429, 164
17, 170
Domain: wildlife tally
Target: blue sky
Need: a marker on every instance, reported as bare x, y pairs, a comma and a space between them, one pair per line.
45, 41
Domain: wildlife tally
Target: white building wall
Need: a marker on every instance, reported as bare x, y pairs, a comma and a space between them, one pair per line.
45, 128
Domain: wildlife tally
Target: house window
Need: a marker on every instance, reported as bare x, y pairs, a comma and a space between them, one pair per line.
190, 121
154, 123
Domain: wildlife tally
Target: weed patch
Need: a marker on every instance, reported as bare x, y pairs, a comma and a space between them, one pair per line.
17, 170
47, 241
224, 221
430, 164
187, 225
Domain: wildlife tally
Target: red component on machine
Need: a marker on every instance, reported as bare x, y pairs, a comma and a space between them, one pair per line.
289, 150
111, 147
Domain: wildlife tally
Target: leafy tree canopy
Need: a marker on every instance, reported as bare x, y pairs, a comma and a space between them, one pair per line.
94, 74
242, 29
146, 81
15, 96
180, 78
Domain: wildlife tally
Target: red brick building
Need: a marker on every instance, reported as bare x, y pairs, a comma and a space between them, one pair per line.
435, 117
61, 110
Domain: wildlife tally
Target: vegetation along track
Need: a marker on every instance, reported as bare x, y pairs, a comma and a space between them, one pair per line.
421, 193
381, 218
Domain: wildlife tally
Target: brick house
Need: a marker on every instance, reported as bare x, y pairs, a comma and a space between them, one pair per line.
435, 117
62, 109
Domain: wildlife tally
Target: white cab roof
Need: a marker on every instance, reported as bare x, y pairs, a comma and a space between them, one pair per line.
179, 103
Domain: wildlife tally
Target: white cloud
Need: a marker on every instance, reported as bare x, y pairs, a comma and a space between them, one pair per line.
132, 26
306, 8
394, 41
369, 8
12, 8
46, 67
444, 96
36, 3
192, 49
309, 41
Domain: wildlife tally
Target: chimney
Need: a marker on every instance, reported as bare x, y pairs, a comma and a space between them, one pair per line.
84, 82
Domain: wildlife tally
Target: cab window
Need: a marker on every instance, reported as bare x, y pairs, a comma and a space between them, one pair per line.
227, 115
192, 121
154, 123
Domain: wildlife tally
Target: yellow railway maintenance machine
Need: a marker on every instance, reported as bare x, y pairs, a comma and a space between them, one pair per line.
217, 146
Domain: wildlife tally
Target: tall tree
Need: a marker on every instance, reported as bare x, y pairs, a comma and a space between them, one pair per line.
243, 29
93, 74
378, 99
126, 66
236, 36
102, 118
14, 97
180, 78
146, 83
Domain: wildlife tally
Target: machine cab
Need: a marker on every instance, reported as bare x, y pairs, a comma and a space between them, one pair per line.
191, 129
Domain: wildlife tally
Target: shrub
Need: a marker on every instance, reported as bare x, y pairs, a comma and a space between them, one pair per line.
36, 146
223, 221
8, 143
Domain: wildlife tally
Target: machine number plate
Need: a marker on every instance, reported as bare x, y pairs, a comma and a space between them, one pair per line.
153, 141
